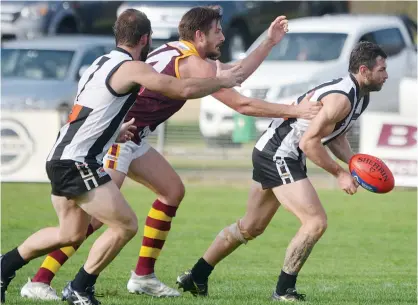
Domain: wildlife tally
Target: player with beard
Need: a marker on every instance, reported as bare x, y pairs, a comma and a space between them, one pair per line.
280, 178
81, 188
193, 56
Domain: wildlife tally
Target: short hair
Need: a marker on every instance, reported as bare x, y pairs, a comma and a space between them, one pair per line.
364, 53
198, 18
130, 26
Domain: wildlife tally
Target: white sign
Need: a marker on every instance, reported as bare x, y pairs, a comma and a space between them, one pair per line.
392, 138
408, 92
26, 139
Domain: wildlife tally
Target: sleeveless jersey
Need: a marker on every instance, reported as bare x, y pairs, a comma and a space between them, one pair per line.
153, 108
97, 114
282, 137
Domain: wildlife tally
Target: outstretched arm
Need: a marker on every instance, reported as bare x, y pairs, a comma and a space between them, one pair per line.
260, 108
136, 72
194, 66
276, 32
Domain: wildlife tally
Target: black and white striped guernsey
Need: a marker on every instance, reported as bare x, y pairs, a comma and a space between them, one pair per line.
97, 114
282, 137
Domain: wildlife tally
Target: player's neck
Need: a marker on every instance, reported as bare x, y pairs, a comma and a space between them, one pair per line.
363, 91
200, 51
134, 52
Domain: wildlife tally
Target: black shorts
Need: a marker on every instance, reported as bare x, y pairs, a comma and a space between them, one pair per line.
71, 178
271, 173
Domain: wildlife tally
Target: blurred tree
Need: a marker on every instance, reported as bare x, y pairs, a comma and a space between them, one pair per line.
385, 7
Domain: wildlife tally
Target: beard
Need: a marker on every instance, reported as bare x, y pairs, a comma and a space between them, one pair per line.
144, 52
215, 53
373, 86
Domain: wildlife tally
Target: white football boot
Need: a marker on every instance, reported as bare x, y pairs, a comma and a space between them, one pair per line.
150, 285
39, 291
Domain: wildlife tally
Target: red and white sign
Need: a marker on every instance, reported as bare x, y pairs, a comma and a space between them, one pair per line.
392, 138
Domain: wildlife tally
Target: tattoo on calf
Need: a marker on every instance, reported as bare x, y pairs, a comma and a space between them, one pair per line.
298, 252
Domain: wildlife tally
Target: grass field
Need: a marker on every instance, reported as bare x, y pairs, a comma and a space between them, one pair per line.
367, 256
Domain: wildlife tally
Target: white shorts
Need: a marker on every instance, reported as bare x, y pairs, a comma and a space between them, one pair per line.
120, 155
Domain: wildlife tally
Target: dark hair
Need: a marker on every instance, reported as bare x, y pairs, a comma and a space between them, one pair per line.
364, 53
130, 26
198, 18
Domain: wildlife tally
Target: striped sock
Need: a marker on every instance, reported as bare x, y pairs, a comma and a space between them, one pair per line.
113, 151
156, 229
54, 261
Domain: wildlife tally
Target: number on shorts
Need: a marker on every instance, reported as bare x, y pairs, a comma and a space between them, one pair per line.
86, 174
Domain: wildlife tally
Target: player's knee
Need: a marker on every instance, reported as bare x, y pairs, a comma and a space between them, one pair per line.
317, 226
79, 238
235, 233
178, 192
96, 224
67, 238
130, 228
253, 226
174, 194
255, 230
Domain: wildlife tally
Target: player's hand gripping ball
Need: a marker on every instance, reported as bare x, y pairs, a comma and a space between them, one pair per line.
371, 173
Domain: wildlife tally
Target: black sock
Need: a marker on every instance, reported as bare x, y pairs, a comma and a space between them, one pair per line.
11, 262
285, 282
201, 271
83, 280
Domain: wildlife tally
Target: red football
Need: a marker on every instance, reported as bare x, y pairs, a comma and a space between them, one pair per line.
371, 173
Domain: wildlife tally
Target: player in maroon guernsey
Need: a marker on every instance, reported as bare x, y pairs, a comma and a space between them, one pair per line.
193, 56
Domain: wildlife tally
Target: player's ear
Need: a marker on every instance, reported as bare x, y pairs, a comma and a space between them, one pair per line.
144, 40
199, 36
363, 70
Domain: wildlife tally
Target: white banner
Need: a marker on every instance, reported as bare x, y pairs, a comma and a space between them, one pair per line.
392, 138
26, 139
408, 92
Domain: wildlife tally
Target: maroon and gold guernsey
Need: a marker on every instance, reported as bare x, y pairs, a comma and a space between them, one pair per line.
152, 108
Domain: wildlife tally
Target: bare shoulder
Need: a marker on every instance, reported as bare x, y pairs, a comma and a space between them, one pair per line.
136, 66
131, 73
336, 100
194, 66
336, 105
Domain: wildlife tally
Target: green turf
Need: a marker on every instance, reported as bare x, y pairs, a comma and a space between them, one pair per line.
367, 256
